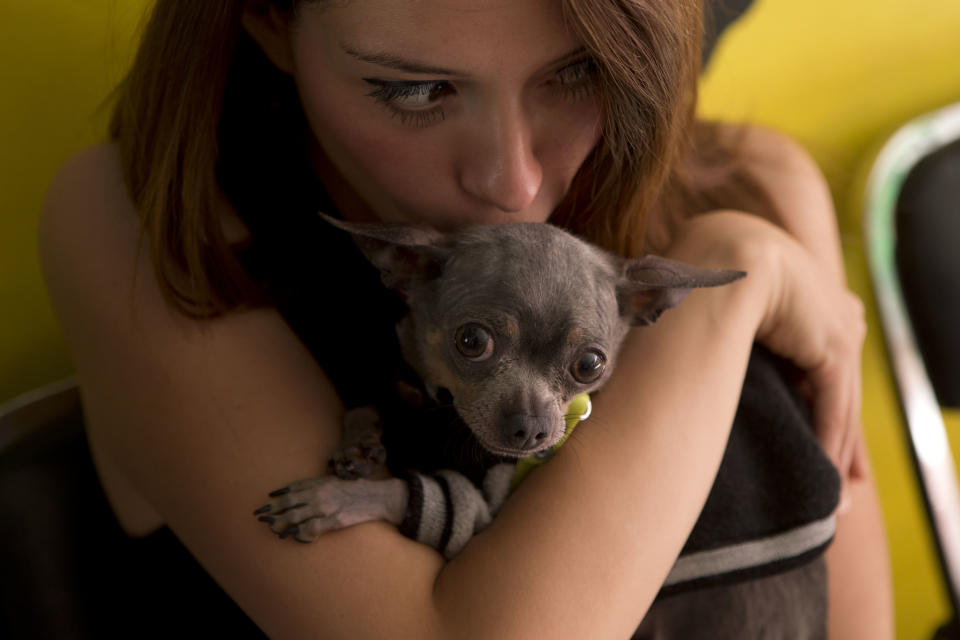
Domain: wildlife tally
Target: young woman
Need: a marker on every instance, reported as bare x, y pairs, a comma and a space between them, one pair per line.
219, 329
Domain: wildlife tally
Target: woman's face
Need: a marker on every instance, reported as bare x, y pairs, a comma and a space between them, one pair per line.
445, 112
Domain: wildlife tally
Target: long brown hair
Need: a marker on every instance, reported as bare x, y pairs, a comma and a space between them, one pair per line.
648, 60
652, 160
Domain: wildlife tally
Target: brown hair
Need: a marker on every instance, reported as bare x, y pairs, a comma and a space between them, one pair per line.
166, 125
648, 58
651, 158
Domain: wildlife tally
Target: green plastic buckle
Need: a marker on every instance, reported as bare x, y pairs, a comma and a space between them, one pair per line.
579, 409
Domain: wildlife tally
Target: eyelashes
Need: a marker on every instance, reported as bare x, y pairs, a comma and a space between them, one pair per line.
576, 81
419, 104
410, 101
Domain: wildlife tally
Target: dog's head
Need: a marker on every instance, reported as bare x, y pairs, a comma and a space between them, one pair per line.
514, 320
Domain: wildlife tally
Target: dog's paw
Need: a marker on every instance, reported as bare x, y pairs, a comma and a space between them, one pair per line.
364, 459
361, 454
307, 509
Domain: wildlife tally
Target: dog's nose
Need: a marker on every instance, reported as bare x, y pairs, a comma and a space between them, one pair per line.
526, 432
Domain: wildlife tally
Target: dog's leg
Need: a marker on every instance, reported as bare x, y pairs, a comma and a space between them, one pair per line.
446, 509
361, 453
309, 508
443, 510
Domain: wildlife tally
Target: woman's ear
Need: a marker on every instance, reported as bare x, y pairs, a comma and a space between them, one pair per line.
270, 28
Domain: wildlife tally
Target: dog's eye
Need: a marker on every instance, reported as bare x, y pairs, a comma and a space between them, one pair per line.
589, 366
474, 342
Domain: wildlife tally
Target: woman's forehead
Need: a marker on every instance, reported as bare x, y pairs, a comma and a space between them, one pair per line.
462, 37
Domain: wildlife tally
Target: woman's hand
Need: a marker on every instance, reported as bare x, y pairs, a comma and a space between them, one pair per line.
819, 325
810, 319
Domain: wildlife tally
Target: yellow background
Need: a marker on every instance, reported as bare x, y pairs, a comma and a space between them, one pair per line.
838, 75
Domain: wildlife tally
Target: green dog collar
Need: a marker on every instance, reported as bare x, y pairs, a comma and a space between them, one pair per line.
578, 410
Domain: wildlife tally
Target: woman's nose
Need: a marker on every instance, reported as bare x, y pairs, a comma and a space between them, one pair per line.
500, 167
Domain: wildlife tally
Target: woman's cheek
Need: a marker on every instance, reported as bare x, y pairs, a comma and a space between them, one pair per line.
377, 157
411, 172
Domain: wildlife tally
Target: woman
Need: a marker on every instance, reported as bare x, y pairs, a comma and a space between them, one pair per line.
187, 274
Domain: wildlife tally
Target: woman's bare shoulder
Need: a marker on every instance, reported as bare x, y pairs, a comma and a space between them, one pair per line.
86, 191
88, 196
85, 166
142, 362
88, 234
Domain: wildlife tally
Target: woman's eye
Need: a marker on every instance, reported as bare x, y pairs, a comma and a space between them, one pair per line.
412, 95
474, 342
413, 102
576, 81
588, 367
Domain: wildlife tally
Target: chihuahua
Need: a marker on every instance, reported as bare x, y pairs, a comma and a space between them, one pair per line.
506, 325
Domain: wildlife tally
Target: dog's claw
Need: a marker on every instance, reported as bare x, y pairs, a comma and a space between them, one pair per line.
264, 509
279, 492
267, 519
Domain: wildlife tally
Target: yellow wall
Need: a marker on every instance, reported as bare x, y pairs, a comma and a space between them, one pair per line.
839, 75
58, 61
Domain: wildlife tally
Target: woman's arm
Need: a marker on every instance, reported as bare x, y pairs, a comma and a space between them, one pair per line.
797, 188
861, 594
802, 206
202, 417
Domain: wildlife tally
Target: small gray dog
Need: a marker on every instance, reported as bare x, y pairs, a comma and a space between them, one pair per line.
506, 325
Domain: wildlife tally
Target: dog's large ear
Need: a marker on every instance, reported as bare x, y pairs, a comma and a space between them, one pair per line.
404, 254
650, 285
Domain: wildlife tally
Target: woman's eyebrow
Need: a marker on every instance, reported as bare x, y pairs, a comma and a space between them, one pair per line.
392, 61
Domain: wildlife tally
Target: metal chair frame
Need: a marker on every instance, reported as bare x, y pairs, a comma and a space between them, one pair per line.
921, 412
36, 408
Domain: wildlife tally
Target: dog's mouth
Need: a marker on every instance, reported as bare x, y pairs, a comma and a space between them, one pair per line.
511, 435
514, 452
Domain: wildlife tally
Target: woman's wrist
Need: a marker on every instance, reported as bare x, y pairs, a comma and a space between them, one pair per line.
736, 240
